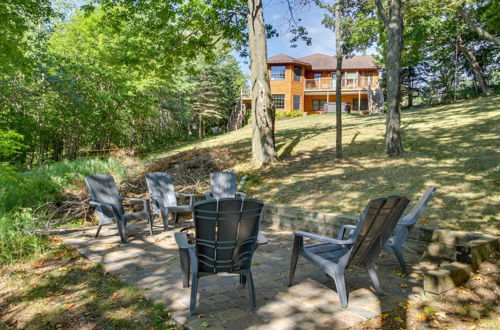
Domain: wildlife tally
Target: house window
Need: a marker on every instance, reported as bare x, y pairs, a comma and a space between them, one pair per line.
368, 77
318, 105
279, 101
297, 73
296, 102
278, 72
364, 104
317, 75
351, 75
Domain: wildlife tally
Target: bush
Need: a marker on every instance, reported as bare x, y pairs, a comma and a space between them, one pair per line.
23, 198
20, 236
293, 113
48, 182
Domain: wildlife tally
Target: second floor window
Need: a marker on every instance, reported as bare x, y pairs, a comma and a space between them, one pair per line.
297, 73
317, 75
279, 101
278, 72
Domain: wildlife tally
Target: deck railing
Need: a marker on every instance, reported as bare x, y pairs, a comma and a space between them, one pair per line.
330, 84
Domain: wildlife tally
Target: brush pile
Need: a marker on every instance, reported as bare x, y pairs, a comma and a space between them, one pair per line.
190, 170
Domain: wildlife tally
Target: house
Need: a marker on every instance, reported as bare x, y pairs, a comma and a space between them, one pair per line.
308, 83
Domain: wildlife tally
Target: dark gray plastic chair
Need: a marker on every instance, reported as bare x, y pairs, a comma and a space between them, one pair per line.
226, 236
395, 244
109, 205
223, 185
333, 256
164, 198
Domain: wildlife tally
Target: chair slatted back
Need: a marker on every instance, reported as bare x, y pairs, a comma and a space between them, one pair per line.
162, 185
375, 227
223, 184
226, 233
102, 188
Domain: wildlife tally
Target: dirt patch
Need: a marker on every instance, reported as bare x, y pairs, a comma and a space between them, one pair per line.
475, 305
62, 290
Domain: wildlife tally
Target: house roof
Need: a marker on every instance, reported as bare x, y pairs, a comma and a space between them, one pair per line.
282, 58
327, 62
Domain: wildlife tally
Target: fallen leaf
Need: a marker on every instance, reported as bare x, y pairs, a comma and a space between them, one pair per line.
403, 285
430, 310
421, 317
69, 306
38, 264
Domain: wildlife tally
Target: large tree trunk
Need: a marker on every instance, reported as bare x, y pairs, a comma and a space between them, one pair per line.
478, 72
394, 26
263, 145
338, 86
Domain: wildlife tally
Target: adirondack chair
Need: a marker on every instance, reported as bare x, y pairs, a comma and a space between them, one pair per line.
333, 256
395, 244
223, 185
164, 198
227, 231
109, 205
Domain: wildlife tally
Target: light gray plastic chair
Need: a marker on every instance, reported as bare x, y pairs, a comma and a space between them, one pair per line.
226, 236
395, 244
109, 205
164, 198
333, 256
223, 185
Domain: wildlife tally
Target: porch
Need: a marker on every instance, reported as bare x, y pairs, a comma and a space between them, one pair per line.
329, 84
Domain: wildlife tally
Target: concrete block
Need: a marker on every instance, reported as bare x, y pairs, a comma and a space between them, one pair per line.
474, 252
446, 278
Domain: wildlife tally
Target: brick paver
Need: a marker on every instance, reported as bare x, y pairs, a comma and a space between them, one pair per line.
152, 263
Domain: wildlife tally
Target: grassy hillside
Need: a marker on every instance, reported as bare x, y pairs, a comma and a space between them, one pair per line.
453, 147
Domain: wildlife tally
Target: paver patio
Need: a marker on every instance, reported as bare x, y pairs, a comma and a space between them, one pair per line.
152, 263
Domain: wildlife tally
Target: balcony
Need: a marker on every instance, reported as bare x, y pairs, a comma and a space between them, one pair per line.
324, 84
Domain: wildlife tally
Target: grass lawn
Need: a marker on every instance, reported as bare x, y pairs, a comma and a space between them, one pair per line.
453, 147
63, 290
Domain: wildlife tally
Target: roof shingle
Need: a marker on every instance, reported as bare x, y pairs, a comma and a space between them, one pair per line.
326, 62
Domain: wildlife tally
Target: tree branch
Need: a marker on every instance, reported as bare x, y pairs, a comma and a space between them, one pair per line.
381, 12
480, 31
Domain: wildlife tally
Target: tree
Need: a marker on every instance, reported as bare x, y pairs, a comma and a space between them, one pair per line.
393, 22
338, 76
263, 112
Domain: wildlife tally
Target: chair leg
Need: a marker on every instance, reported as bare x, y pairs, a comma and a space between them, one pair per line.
374, 277
98, 231
121, 230
164, 217
243, 279
150, 220
295, 256
194, 293
251, 290
399, 255
338, 278
176, 219
185, 267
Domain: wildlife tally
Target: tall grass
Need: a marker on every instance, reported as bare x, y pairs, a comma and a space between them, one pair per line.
47, 183
23, 192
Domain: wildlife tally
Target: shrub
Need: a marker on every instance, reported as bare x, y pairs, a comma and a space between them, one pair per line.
20, 236
293, 113
48, 182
